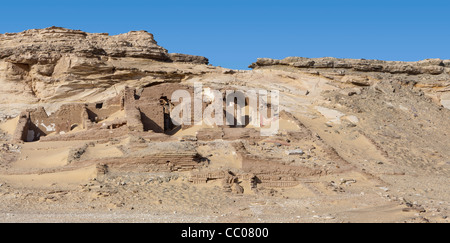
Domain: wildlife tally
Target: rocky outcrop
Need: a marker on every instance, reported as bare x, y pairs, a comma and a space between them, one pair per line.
429, 66
177, 57
54, 65
47, 46
432, 76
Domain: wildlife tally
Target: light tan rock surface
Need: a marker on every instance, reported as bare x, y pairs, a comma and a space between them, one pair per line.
373, 135
431, 75
54, 65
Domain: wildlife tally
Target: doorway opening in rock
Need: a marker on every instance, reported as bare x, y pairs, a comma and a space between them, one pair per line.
168, 124
33, 133
240, 116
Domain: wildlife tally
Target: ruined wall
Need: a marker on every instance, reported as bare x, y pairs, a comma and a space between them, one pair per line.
39, 124
226, 133
67, 117
151, 107
147, 109
133, 115
95, 134
163, 90
132, 112
152, 116
35, 123
102, 110
63, 120
20, 134
150, 102
86, 122
114, 101
163, 162
100, 114
208, 134
129, 96
241, 133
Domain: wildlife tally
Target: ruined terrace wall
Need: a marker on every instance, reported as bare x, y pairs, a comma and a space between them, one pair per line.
96, 114
152, 115
20, 134
133, 115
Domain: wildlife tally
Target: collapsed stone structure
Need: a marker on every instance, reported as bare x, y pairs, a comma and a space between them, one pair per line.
35, 123
146, 111
430, 75
143, 110
98, 107
134, 79
56, 66
85, 87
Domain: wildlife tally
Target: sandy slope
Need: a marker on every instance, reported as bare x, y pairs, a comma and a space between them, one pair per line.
395, 174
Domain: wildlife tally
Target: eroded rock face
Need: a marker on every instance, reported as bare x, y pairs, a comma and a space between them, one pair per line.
48, 65
360, 122
430, 75
46, 46
429, 66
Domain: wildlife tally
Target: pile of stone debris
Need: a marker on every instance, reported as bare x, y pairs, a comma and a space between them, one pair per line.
7, 147
4, 117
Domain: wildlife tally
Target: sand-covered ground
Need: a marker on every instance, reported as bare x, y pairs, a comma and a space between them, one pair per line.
85, 136
39, 185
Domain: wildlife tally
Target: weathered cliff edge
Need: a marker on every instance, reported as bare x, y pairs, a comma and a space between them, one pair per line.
55, 64
430, 75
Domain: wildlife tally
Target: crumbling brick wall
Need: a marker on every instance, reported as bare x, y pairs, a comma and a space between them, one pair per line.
67, 116
86, 122
99, 114
133, 115
40, 123
152, 116
20, 134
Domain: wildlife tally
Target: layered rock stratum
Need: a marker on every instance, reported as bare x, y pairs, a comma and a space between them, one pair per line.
359, 140
55, 65
431, 75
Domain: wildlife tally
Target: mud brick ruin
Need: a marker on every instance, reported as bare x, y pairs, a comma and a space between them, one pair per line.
145, 113
85, 122
144, 110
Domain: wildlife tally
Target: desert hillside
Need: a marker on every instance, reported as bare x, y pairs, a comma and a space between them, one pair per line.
85, 136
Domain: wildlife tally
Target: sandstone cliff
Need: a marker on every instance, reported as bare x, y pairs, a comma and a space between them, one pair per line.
431, 75
54, 65
378, 127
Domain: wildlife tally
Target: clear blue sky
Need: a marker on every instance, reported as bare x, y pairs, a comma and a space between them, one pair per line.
234, 33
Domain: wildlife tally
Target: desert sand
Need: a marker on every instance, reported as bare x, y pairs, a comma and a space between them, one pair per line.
89, 140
